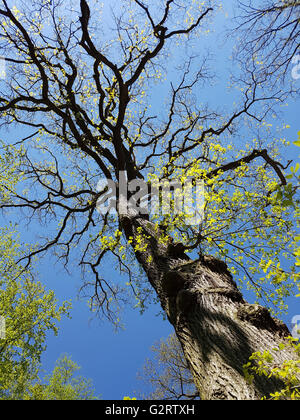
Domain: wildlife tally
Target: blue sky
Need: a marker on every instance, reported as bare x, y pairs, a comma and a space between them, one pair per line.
112, 359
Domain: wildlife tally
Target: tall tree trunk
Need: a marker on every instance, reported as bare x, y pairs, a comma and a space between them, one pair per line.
217, 328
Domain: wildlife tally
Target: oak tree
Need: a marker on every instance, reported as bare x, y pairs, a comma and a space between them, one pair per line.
84, 84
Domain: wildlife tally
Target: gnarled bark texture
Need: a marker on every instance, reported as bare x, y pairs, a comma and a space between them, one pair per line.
217, 328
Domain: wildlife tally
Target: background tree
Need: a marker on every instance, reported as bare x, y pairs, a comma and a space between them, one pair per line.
30, 313
84, 96
168, 373
61, 384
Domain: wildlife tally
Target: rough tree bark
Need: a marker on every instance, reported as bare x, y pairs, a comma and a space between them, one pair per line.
217, 328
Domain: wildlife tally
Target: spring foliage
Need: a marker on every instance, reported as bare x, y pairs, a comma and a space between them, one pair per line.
262, 364
30, 313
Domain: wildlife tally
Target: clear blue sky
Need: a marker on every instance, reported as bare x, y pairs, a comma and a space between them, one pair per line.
112, 359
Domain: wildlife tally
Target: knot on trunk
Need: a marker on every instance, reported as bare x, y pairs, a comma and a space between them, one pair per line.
215, 265
172, 283
255, 314
260, 317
